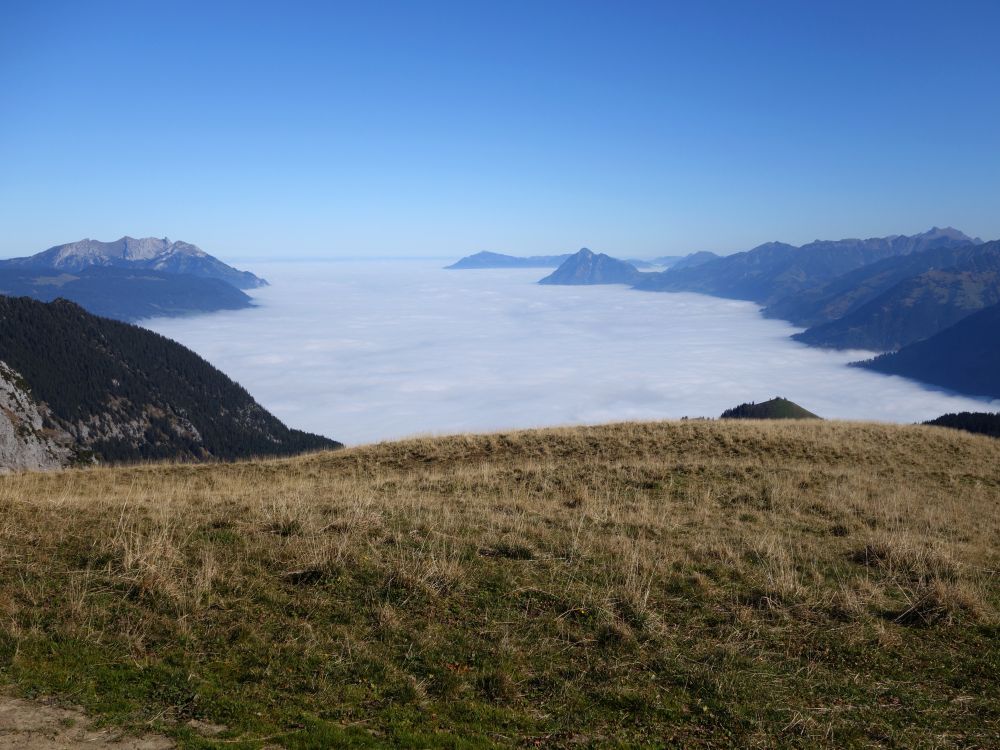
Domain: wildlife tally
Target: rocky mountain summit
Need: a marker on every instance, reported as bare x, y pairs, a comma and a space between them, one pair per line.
148, 253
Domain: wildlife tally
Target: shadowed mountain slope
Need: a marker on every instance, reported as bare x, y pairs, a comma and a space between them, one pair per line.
964, 357
914, 309
846, 293
124, 293
126, 393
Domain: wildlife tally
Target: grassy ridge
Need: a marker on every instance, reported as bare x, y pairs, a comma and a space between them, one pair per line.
698, 583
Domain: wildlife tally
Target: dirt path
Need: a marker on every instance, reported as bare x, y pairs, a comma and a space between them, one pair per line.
34, 725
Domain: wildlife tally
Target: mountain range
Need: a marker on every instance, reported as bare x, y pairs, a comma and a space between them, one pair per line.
916, 307
880, 294
130, 279
499, 260
775, 270
89, 386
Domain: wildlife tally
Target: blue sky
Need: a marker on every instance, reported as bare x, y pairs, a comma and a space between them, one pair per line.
334, 129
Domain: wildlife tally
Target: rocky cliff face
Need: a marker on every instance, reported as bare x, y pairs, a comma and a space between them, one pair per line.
24, 443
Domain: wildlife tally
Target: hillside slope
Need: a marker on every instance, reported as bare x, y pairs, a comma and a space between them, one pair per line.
687, 584
846, 293
126, 393
964, 357
915, 308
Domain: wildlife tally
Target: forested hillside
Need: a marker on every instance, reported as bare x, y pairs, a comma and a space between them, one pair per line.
964, 357
127, 393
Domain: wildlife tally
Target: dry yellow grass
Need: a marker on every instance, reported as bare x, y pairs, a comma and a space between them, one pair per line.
740, 583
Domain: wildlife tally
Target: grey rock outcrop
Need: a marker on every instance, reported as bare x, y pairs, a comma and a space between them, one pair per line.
24, 442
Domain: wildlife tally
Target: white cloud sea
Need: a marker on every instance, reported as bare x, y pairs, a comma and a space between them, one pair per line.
371, 350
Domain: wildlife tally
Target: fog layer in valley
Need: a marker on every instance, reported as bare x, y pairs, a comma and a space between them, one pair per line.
365, 351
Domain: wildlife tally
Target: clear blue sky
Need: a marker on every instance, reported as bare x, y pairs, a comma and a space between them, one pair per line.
310, 129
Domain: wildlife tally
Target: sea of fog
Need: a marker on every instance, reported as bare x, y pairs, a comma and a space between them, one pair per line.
368, 350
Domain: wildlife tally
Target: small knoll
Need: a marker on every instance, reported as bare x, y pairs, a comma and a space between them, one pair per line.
586, 267
776, 408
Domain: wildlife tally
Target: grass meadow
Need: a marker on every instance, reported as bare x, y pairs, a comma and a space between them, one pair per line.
689, 584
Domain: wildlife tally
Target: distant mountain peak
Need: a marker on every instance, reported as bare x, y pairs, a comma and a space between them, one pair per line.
147, 253
587, 267
949, 233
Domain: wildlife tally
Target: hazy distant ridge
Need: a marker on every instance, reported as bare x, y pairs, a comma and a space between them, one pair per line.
499, 260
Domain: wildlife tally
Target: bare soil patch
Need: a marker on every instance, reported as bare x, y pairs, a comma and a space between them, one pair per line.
33, 725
